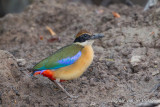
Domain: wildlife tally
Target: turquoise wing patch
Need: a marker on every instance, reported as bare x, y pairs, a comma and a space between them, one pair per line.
69, 60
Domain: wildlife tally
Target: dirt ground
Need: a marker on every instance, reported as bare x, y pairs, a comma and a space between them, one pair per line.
126, 65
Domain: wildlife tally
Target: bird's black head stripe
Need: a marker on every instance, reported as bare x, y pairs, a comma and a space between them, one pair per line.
82, 38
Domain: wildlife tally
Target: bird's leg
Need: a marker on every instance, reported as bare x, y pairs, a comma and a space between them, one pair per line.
58, 84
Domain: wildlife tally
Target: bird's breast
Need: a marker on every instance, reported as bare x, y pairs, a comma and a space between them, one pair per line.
76, 69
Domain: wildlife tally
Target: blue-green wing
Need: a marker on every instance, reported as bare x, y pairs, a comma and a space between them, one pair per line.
61, 58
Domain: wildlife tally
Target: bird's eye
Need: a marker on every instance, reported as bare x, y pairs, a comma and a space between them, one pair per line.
85, 35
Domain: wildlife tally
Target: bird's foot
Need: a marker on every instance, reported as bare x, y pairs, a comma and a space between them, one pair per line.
72, 96
58, 84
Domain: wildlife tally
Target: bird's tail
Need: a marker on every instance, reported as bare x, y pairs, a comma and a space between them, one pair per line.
37, 72
46, 73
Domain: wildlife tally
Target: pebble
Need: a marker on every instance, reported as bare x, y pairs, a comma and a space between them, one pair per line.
155, 72
21, 62
135, 60
92, 82
92, 104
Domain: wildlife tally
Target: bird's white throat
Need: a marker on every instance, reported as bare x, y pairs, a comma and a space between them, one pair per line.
88, 42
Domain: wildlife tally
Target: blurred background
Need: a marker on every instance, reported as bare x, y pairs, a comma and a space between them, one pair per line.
16, 6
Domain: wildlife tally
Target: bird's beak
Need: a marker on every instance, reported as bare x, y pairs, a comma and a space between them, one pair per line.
97, 36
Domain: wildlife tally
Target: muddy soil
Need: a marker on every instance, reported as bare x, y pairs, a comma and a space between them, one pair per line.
126, 65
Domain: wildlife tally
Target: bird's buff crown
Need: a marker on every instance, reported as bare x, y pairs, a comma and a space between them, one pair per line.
82, 32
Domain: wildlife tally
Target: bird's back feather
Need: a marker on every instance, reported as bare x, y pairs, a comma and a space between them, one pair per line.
61, 58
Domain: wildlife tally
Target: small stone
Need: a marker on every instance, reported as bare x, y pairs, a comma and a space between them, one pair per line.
21, 62
84, 78
92, 82
155, 72
92, 104
155, 62
135, 60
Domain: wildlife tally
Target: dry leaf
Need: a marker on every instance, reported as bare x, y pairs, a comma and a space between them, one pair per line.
53, 39
41, 37
115, 14
50, 31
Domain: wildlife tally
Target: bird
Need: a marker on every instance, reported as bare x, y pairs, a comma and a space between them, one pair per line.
69, 62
